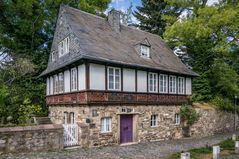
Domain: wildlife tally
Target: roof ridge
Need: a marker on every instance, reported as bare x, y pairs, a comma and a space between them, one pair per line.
78, 10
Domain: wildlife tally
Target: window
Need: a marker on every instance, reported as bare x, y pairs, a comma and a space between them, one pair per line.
63, 47
69, 118
53, 56
172, 84
55, 84
113, 78
153, 80
181, 85
177, 119
105, 124
163, 83
73, 79
145, 51
61, 83
154, 120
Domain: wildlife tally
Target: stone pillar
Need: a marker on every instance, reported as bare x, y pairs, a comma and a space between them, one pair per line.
185, 155
216, 152
237, 147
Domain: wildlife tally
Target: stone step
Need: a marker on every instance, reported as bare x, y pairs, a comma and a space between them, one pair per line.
42, 120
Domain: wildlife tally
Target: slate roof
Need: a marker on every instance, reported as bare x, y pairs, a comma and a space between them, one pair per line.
100, 42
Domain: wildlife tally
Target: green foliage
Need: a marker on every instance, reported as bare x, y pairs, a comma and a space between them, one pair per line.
223, 103
188, 115
26, 33
227, 144
27, 110
210, 34
154, 16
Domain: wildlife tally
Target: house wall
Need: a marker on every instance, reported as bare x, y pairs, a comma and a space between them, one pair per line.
97, 77
128, 80
81, 77
141, 81
211, 122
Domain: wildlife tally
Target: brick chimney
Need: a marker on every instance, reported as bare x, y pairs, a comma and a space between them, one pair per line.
114, 20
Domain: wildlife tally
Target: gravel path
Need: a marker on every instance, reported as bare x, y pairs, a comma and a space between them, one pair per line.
151, 150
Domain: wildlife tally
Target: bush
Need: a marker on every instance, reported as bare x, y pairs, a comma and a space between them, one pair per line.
188, 115
223, 103
27, 110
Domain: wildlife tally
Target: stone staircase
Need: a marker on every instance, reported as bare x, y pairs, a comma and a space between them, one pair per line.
42, 120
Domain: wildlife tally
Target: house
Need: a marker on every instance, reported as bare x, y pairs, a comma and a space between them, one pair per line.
112, 84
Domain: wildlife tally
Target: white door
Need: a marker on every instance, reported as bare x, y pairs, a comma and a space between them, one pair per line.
70, 129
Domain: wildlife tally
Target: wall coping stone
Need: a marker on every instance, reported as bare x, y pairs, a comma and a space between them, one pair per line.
31, 128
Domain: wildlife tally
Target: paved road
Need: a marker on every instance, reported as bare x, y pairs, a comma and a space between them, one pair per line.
153, 150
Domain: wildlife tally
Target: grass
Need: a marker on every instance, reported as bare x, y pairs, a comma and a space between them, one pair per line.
226, 147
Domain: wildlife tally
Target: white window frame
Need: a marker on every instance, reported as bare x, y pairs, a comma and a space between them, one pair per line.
53, 58
163, 83
61, 82
74, 79
63, 46
154, 83
154, 120
172, 84
105, 125
55, 84
177, 119
144, 51
114, 78
181, 85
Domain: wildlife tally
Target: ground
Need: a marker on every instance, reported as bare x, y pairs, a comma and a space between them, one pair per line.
153, 150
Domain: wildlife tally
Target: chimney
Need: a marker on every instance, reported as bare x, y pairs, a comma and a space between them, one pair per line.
114, 20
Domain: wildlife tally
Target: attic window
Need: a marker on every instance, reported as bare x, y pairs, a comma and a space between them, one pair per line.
63, 47
53, 56
145, 51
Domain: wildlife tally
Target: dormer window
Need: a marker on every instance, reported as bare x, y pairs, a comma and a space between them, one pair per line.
53, 56
63, 47
145, 51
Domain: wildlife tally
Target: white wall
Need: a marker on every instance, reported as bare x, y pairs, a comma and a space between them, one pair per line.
142, 81
67, 81
47, 86
97, 77
188, 86
129, 80
81, 77
51, 85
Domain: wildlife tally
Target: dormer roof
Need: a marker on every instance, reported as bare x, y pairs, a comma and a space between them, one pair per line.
102, 43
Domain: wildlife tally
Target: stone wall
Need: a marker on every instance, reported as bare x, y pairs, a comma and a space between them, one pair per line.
213, 121
31, 138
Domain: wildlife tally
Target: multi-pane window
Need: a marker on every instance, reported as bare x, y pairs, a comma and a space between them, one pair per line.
145, 51
63, 47
153, 80
163, 83
113, 78
154, 120
74, 79
61, 83
105, 124
172, 84
177, 119
55, 84
181, 85
69, 118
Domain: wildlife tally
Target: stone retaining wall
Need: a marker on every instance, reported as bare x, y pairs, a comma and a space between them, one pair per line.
31, 138
213, 121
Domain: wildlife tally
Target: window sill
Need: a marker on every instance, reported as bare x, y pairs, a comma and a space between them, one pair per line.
106, 133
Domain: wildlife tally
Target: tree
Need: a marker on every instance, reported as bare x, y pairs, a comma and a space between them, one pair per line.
210, 35
26, 33
155, 15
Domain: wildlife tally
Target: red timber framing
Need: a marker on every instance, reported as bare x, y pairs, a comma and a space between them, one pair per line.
111, 97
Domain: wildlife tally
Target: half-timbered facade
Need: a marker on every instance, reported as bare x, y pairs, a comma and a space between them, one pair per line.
117, 83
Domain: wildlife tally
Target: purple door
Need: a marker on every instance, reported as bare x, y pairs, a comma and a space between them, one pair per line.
126, 128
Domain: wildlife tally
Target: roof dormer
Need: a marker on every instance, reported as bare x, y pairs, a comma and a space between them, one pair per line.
144, 48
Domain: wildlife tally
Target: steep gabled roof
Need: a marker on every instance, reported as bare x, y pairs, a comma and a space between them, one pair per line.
99, 41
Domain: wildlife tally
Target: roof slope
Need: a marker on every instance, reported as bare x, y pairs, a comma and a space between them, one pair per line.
99, 42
